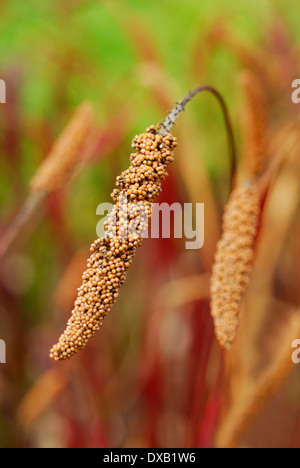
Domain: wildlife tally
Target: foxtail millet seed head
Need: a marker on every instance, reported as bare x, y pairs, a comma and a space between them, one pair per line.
64, 157
112, 254
233, 261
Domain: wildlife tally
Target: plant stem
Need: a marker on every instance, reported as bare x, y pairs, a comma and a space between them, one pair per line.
167, 124
23, 223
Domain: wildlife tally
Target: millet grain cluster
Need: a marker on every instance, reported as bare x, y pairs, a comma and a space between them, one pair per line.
113, 253
233, 261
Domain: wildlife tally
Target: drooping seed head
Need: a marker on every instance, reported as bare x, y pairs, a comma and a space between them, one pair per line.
113, 254
233, 261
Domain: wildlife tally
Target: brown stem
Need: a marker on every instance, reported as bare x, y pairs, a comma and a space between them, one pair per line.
167, 124
23, 223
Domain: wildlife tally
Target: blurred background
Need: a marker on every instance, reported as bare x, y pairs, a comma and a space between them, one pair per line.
155, 375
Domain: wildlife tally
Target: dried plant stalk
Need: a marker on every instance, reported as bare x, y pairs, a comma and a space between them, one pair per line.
233, 261
55, 170
64, 156
22, 224
40, 396
184, 290
254, 124
257, 60
261, 391
112, 254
